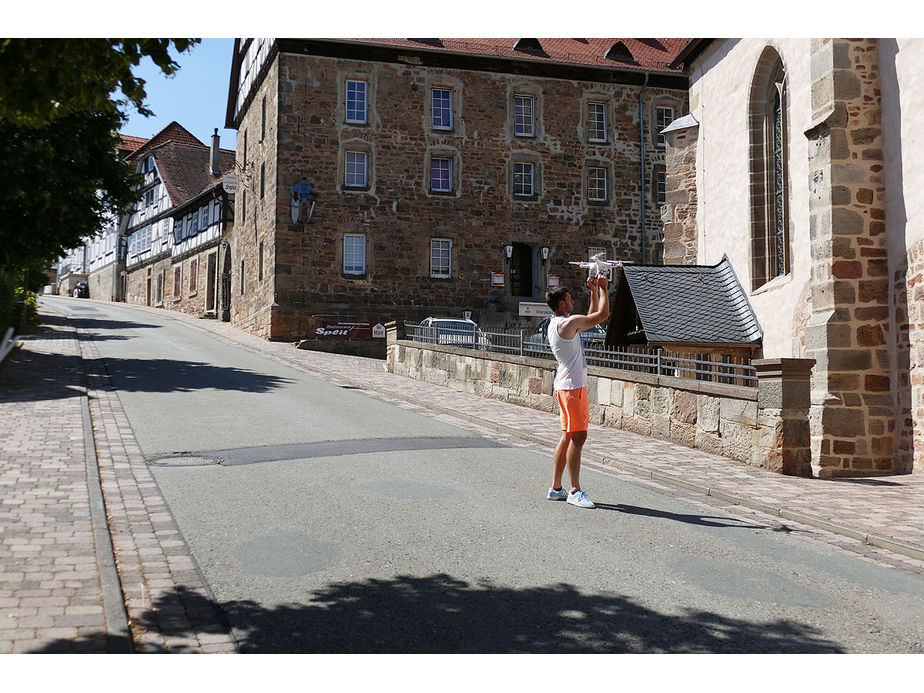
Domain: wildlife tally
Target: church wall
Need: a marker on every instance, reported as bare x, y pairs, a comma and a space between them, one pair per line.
719, 90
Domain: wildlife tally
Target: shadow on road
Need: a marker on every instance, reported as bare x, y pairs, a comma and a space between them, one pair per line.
171, 375
442, 614
701, 520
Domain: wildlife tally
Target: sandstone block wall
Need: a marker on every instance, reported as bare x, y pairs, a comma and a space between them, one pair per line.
765, 426
399, 215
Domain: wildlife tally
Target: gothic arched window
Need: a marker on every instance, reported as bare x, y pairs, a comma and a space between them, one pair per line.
769, 169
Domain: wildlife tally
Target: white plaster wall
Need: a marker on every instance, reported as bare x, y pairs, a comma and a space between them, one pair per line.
903, 146
719, 87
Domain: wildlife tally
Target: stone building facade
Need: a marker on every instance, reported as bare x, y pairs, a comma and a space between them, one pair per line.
813, 195
446, 175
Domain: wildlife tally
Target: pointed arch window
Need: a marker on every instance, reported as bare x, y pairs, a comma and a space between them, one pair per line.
769, 168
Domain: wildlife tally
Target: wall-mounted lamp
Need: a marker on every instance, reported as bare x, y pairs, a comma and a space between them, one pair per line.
545, 252
509, 250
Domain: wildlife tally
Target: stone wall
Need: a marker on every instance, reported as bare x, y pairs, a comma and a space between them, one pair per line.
909, 317
102, 283
679, 212
765, 426
849, 331
399, 215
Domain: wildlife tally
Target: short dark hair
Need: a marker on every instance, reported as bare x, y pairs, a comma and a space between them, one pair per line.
555, 296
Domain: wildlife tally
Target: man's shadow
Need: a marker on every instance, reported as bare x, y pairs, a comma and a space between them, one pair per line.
700, 520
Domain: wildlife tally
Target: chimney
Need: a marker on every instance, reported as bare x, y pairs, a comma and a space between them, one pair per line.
213, 159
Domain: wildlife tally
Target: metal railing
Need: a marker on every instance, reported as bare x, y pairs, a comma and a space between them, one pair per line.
729, 369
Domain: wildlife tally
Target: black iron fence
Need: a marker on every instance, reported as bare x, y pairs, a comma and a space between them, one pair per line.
729, 369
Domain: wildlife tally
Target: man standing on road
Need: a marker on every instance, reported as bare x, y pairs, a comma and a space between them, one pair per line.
571, 382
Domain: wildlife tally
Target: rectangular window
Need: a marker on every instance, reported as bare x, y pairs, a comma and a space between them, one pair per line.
262, 179
596, 121
260, 263
596, 250
354, 254
355, 102
263, 119
523, 116
664, 117
661, 187
241, 275
204, 218
596, 184
193, 274
523, 179
442, 109
355, 170
149, 197
441, 258
192, 225
177, 279
441, 175
178, 231
159, 288
245, 151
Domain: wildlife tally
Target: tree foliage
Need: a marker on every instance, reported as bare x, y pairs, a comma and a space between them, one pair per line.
60, 114
47, 79
59, 183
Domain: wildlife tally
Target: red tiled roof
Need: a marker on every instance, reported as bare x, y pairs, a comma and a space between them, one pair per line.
647, 53
174, 132
184, 168
130, 143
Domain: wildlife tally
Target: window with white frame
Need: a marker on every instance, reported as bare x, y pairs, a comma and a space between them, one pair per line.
441, 258
440, 175
356, 105
596, 184
661, 187
204, 217
596, 250
442, 109
596, 121
664, 116
524, 175
354, 254
523, 119
192, 225
355, 165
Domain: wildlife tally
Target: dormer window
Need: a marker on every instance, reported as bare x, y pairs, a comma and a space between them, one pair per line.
528, 45
147, 164
620, 53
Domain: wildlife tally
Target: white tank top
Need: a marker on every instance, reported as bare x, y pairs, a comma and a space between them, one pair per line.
572, 366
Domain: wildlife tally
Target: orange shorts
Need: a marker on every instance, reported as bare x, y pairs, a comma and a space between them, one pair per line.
575, 409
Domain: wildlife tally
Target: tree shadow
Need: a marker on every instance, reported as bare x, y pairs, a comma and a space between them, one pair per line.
53, 321
701, 520
170, 375
443, 614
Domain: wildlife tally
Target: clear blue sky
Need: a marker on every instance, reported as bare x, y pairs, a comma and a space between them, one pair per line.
196, 96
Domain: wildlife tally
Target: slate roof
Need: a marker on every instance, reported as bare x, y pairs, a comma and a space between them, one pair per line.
675, 304
643, 53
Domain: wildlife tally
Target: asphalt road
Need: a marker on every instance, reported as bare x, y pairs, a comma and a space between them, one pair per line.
338, 522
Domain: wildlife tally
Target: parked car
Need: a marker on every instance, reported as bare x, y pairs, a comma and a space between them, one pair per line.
594, 338
81, 290
453, 332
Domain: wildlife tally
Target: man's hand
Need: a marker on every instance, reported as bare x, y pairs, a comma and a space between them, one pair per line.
603, 282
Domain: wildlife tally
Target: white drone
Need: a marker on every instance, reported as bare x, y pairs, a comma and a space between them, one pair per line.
598, 266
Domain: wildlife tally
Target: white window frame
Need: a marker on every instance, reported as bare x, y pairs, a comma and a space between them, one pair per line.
204, 217
354, 253
661, 123
443, 109
522, 169
596, 120
445, 179
353, 112
594, 183
521, 118
441, 258
355, 161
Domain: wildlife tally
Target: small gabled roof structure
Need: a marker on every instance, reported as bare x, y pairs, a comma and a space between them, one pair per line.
184, 169
174, 132
676, 305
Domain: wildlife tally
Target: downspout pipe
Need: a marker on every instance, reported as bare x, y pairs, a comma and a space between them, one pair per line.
641, 148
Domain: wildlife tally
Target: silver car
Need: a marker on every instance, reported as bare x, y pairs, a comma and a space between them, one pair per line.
453, 332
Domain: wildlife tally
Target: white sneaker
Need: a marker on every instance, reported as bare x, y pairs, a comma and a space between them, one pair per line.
580, 499
560, 494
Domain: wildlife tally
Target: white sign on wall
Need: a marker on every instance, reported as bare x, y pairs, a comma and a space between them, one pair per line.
530, 309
